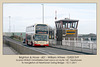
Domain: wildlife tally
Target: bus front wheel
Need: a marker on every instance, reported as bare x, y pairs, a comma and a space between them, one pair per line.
31, 43
27, 42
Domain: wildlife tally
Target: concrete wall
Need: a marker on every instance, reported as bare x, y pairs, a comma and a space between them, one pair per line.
20, 48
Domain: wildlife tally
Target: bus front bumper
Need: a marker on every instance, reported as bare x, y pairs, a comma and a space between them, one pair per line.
41, 44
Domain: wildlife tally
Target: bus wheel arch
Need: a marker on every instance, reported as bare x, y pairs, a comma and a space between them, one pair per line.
31, 43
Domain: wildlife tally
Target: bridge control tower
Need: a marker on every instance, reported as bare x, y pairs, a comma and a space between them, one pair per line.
66, 29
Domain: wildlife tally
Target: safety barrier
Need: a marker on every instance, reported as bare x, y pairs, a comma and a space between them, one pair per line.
76, 45
20, 48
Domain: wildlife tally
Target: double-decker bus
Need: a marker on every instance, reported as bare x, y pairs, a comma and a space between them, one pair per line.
37, 35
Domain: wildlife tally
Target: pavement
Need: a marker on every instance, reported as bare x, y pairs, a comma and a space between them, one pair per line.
8, 50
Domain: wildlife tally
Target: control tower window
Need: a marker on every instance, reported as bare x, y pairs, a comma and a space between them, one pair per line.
74, 25
68, 25
64, 26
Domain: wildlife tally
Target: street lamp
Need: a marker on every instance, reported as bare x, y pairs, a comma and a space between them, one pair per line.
43, 13
9, 24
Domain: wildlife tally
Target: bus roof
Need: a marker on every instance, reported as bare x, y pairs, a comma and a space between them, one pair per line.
41, 24
38, 25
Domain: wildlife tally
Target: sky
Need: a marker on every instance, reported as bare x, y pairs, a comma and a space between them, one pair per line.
27, 14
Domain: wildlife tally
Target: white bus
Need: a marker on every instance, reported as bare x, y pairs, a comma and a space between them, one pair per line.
37, 35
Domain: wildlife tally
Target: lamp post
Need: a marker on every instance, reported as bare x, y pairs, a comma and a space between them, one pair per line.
9, 24
43, 13
13, 28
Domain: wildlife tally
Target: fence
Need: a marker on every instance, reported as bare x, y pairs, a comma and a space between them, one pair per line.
76, 45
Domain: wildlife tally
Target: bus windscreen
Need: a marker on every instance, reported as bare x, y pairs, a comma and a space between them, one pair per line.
41, 37
42, 29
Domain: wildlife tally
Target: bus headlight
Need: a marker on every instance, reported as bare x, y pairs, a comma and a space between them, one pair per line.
47, 42
36, 42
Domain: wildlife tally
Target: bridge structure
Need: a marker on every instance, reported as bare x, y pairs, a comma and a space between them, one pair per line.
54, 48
65, 43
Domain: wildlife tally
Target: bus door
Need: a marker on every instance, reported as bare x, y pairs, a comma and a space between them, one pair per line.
32, 39
28, 39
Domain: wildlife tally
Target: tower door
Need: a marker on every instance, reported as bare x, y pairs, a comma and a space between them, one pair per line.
59, 35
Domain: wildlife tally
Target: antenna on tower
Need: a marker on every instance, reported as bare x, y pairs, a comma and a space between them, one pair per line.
55, 15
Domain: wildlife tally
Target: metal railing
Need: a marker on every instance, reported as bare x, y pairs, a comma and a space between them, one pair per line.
76, 45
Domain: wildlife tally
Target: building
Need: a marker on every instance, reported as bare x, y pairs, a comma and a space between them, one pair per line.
66, 29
